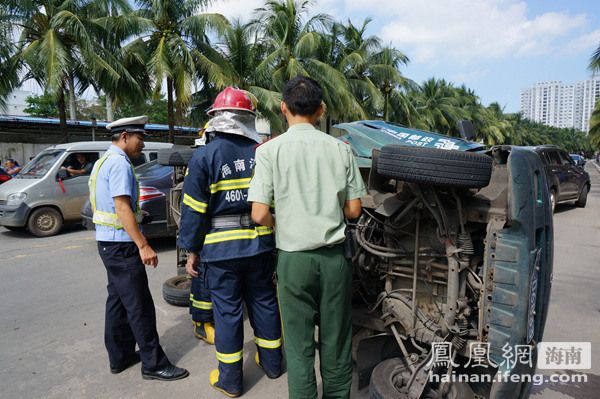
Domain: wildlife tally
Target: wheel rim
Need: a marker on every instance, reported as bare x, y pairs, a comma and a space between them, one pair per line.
552, 201
46, 222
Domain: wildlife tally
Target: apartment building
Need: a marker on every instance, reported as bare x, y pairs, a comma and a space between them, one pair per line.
561, 105
15, 103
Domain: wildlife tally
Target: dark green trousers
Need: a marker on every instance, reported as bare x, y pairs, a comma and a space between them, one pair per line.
311, 282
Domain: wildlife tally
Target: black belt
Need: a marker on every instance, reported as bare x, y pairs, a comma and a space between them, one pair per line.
229, 221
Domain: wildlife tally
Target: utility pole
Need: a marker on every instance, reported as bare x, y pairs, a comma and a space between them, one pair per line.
94, 129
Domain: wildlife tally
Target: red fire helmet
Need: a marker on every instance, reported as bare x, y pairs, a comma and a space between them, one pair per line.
234, 99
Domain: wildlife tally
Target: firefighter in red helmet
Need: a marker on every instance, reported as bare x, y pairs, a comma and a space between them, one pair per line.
233, 252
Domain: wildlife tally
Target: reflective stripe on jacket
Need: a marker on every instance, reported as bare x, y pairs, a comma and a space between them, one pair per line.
107, 218
216, 184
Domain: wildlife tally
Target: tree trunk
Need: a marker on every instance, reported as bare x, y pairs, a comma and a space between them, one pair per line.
170, 116
72, 99
110, 115
179, 115
386, 116
62, 115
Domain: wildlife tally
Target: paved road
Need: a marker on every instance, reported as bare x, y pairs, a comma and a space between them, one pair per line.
52, 293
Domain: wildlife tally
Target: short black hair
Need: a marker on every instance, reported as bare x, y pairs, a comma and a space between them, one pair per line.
117, 136
302, 95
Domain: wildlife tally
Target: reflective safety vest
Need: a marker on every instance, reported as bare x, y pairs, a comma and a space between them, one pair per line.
107, 218
215, 188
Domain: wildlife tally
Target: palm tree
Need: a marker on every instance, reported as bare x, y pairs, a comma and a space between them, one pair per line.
348, 50
9, 80
131, 86
57, 46
293, 42
384, 72
438, 106
594, 65
594, 132
166, 47
234, 61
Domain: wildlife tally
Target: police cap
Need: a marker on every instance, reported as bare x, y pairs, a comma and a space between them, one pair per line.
135, 124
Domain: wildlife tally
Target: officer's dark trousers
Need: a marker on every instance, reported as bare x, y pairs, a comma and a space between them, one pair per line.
130, 315
249, 280
201, 307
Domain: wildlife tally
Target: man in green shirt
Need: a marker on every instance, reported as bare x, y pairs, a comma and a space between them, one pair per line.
314, 182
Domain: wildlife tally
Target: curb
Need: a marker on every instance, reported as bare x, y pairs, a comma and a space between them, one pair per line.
596, 165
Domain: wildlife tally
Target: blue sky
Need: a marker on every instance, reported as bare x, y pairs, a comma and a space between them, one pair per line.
494, 47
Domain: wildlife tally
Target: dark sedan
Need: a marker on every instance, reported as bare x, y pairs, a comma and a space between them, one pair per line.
155, 184
566, 180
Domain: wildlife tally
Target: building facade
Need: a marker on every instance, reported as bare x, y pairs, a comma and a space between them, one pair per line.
561, 105
15, 103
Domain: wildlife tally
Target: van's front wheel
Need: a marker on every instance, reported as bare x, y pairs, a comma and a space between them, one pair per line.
44, 222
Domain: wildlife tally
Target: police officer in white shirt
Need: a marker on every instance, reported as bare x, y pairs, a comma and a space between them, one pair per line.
130, 314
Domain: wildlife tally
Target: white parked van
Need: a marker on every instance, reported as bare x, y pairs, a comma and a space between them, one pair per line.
43, 196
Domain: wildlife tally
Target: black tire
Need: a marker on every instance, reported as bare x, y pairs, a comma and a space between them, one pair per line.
44, 222
175, 156
382, 386
553, 200
582, 200
176, 290
434, 166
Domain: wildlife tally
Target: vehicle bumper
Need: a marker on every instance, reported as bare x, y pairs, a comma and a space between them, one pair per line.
87, 222
16, 216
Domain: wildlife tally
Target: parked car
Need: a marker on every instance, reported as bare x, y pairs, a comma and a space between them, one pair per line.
43, 197
155, 185
566, 180
454, 246
4, 176
578, 159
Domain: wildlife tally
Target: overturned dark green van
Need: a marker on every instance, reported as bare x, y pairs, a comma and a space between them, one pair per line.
453, 263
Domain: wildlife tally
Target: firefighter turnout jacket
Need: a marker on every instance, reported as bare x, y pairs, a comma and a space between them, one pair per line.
215, 214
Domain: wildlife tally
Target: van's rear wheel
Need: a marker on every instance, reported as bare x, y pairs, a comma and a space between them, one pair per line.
389, 378
44, 222
434, 166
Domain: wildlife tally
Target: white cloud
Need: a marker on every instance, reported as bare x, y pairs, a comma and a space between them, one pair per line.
463, 31
471, 76
244, 9
587, 43
232, 9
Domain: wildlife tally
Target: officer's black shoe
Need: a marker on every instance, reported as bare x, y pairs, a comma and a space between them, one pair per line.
125, 364
167, 373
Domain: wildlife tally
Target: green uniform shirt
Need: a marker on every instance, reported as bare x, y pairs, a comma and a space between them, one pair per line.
309, 175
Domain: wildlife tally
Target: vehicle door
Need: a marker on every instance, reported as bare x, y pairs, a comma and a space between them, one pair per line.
573, 175
559, 173
562, 167
71, 192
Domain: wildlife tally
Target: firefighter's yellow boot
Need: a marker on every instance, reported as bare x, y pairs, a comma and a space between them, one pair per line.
205, 332
213, 378
271, 376
257, 360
